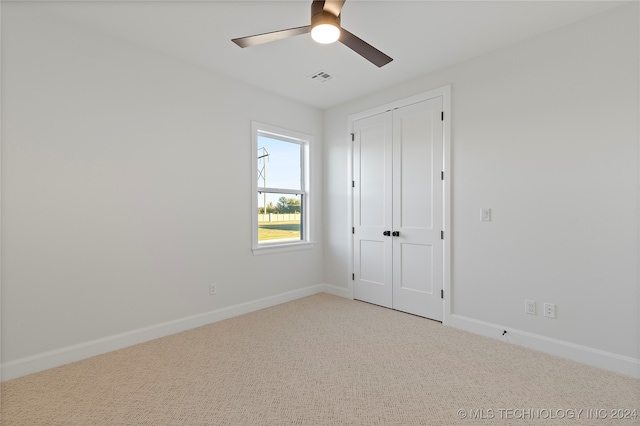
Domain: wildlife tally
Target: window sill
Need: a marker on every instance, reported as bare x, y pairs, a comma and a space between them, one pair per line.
283, 247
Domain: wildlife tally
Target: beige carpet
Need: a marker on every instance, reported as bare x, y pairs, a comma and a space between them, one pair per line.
321, 360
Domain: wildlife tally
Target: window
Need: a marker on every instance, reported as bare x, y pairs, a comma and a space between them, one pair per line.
281, 214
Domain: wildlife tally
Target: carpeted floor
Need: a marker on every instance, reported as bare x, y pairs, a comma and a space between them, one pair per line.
322, 360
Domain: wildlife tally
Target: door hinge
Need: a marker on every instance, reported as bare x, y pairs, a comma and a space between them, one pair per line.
442, 235
353, 183
441, 294
353, 137
442, 175
442, 116
353, 229
353, 277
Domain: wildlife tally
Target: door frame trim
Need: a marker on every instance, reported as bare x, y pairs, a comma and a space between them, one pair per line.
445, 93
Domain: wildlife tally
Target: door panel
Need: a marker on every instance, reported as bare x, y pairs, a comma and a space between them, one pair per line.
373, 175
372, 261
372, 210
417, 268
417, 208
415, 150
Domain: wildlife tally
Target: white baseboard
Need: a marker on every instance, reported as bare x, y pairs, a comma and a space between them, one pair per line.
21, 367
595, 357
337, 291
44, 361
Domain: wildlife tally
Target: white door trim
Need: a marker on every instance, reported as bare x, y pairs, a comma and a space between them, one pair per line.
445, 93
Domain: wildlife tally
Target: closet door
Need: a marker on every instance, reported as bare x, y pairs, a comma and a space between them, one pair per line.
398, 209
418, 250
372, 209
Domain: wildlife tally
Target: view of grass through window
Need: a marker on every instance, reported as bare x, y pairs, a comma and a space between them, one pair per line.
279, 190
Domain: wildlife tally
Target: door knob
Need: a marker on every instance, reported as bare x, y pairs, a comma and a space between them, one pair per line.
386, 233
396, 233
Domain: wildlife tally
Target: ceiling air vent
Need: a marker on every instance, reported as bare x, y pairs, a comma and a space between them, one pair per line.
321, 77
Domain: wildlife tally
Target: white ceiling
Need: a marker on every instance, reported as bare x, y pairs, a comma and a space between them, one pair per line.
421, 36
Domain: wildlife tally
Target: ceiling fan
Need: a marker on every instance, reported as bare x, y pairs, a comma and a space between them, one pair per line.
325, 28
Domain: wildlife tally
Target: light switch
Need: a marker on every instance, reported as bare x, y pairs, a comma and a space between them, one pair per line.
485, 215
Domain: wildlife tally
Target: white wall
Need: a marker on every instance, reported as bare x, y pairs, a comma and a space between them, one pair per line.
546, 134
126, 188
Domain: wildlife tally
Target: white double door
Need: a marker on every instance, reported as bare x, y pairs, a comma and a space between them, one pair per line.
398, 209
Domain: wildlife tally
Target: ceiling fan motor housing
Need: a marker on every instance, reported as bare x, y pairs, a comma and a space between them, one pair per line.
320, 16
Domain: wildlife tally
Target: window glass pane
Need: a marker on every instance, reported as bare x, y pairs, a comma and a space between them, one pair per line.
279, 163
282, 217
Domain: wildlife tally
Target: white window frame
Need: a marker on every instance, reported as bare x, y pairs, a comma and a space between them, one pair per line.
306, 142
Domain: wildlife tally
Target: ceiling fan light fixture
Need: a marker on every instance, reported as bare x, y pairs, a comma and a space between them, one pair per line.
325, 26
325, 33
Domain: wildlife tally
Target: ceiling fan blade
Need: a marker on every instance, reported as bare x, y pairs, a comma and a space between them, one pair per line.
364, 49
257, 39
333, 6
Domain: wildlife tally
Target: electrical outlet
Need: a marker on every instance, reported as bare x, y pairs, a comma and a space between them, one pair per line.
530, 307
550, 310
212, 289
